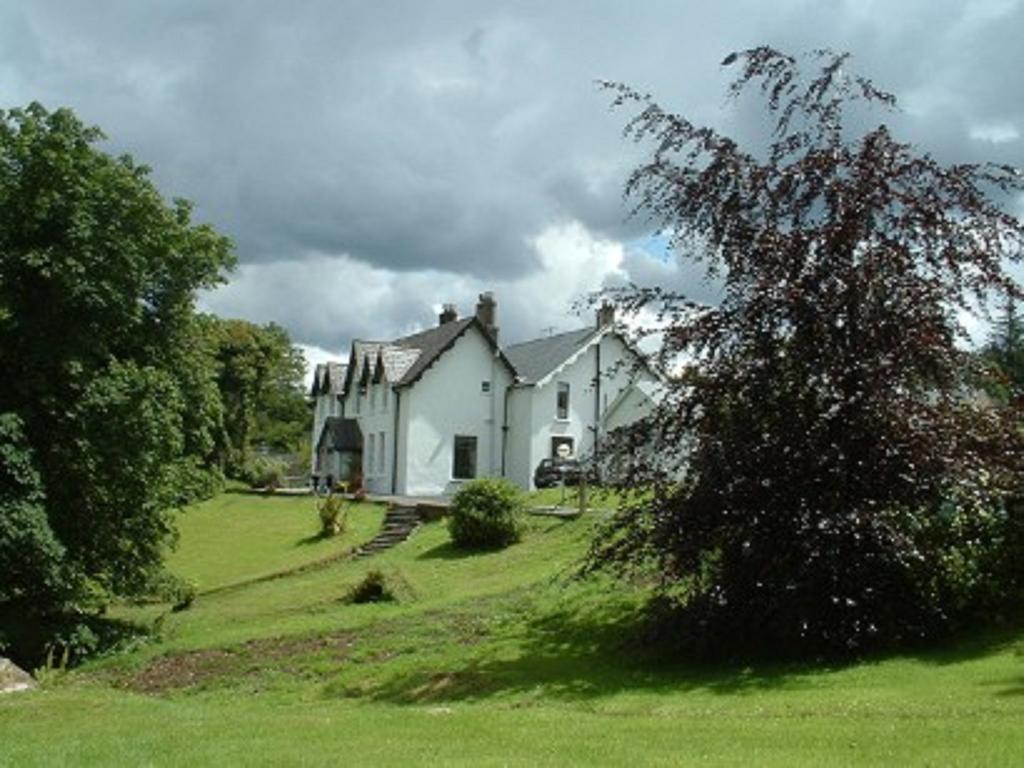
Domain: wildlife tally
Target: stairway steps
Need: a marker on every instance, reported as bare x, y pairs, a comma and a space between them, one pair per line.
398, 525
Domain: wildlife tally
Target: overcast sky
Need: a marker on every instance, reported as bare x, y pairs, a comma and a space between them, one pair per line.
374, 159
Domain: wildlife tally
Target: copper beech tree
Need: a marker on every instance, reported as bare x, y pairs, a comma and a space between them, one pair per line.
824, 476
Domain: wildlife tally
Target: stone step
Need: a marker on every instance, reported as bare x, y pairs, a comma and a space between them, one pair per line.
387, 528
401, 519
398, 525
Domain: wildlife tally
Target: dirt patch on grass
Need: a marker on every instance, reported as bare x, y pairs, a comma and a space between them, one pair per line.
197, 668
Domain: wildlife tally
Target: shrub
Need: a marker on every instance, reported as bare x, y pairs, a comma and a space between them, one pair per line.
332, 518
485, 514
165, 587
264, 472
372, 589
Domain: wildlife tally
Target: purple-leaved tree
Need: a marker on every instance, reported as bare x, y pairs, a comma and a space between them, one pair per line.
846, 487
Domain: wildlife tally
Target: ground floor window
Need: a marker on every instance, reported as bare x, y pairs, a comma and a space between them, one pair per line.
464, 458
381, 461
556, 442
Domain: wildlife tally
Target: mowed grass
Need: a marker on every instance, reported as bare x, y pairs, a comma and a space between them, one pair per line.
240, 536
500, 658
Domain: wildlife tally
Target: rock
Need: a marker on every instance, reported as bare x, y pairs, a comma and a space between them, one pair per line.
13, 678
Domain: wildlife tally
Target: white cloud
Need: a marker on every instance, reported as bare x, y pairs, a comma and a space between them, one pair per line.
995, 133
315, 356
326, 301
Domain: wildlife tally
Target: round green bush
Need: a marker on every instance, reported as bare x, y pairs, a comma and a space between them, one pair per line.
264, 472
485, 514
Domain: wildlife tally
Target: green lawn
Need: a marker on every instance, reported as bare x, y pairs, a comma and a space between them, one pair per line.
242, 535
491, 659
597, 498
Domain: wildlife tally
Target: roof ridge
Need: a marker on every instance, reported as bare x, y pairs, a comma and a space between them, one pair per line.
401, 340
586, 328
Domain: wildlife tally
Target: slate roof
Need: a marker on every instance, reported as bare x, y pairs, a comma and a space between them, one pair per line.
537, 358
336, 377
342, 434
429, 344
331, 376
363, 356
396, 361
404, 360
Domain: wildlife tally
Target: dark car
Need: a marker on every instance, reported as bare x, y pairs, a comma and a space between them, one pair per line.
550, 472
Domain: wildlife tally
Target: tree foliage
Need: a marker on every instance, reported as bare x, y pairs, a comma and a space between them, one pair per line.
842, 488
260, 380
29, 551
1005, 351
110, 408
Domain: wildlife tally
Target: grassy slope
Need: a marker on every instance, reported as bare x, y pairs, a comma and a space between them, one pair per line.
241, 536
495, 659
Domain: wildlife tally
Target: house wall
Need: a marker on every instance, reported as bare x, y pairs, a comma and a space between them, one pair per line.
323, 406
632, 406
534, 408
377, 418
447, 401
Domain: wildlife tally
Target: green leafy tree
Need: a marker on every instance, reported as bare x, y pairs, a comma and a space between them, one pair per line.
115, 405
821, 479
1005, 350
259, 377
29, 552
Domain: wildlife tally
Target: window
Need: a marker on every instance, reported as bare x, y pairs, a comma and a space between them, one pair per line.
371, 454
464, 458
562, 401
359, 401
373, 398
485, 387
381, 461
559, 441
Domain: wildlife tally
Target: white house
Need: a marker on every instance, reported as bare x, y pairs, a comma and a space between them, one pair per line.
423, 413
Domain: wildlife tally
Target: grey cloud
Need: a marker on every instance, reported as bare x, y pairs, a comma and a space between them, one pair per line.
436, 140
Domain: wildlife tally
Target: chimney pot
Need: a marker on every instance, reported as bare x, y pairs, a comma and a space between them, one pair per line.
487, 313
448, 314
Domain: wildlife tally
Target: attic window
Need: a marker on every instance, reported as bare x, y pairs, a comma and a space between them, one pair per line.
485, 387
